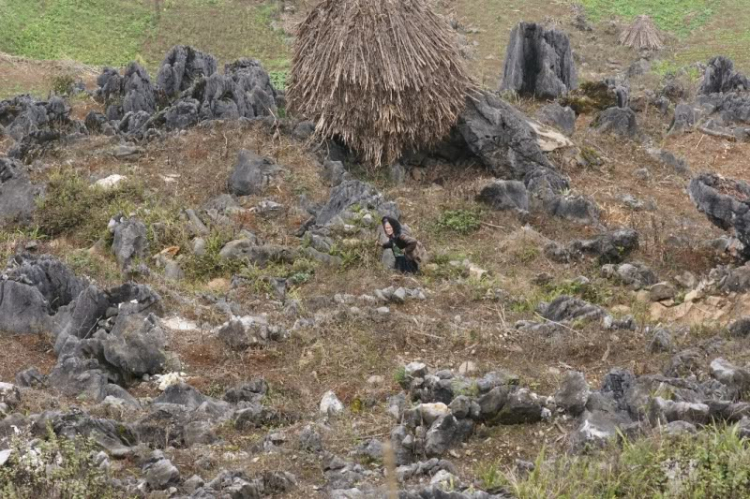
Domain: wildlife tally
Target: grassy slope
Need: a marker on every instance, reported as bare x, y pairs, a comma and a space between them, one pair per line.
114, 32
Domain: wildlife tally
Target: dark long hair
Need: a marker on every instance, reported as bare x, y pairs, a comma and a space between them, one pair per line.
394, 223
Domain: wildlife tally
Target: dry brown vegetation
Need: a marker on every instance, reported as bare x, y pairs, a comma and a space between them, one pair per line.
382, 76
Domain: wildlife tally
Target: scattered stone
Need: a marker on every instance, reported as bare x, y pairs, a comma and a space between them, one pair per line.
562, 118
330, 405
724, 201
740, 328
17, 194
573, 393
505, 195
252, 174
618, 121
662, 291
130, 242
661, 342
161, 473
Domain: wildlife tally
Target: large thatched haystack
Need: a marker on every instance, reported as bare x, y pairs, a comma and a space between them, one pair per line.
642, 34
382, 75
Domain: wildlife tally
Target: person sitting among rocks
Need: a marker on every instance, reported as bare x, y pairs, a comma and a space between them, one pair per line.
408, 251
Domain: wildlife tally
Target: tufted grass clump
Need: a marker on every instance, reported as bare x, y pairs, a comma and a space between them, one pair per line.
714, 463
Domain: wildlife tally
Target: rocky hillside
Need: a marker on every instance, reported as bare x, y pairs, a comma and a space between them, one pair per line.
194, 302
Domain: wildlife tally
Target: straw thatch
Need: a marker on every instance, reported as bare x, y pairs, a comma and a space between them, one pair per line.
382, 75
642, 34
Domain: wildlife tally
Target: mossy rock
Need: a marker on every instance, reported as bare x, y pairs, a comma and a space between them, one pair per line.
591, 96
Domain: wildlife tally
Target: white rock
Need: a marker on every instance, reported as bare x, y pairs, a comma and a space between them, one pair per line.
415, 370
179, 324
169, 379
375, 380
430, 412
330, 405
5, 455
111, 182
443, 477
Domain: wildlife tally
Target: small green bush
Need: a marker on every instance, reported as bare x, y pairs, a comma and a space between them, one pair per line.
63, 84
62, 468
72, 207
461, 221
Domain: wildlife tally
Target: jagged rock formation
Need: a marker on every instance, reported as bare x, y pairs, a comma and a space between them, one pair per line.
539, 62
720, 77
725, 203
508, 145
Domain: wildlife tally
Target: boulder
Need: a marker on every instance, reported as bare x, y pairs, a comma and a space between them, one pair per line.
505, 195
117, 439
502, 138
17, 194
725, 203
23, 309
130, 242
573, 393
618, 121
135, 347
684, 120
539, 62
354, 192
161, 473
252, 174
240, 333
562, 118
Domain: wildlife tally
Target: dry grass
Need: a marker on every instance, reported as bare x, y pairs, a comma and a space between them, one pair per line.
642, 34
382, 76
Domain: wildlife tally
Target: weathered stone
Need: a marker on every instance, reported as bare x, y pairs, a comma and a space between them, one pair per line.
135, 346
130, 242
618, 121
252, 174
539, 62
562, 118
182, 66
505, 195
661, 341
17, 194
573, 393
720, 77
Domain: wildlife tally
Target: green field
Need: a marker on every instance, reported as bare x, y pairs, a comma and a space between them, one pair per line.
114, 32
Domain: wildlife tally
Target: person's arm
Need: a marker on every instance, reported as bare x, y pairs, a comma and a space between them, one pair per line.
387, 245
410, 244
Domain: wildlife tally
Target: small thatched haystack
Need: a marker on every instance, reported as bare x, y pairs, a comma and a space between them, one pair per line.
382, 75
642, 34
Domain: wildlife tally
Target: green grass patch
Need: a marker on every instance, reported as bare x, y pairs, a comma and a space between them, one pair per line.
715, 463
90, 31
678, 17
460, 221
115, 32
228, 29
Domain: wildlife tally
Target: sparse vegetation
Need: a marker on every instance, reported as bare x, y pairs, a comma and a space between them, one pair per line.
460, 221
71, 206
711, 464
55, 467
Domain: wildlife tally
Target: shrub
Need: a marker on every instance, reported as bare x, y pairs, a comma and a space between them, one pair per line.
72, 207
461, 221
715, 463
57, 467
